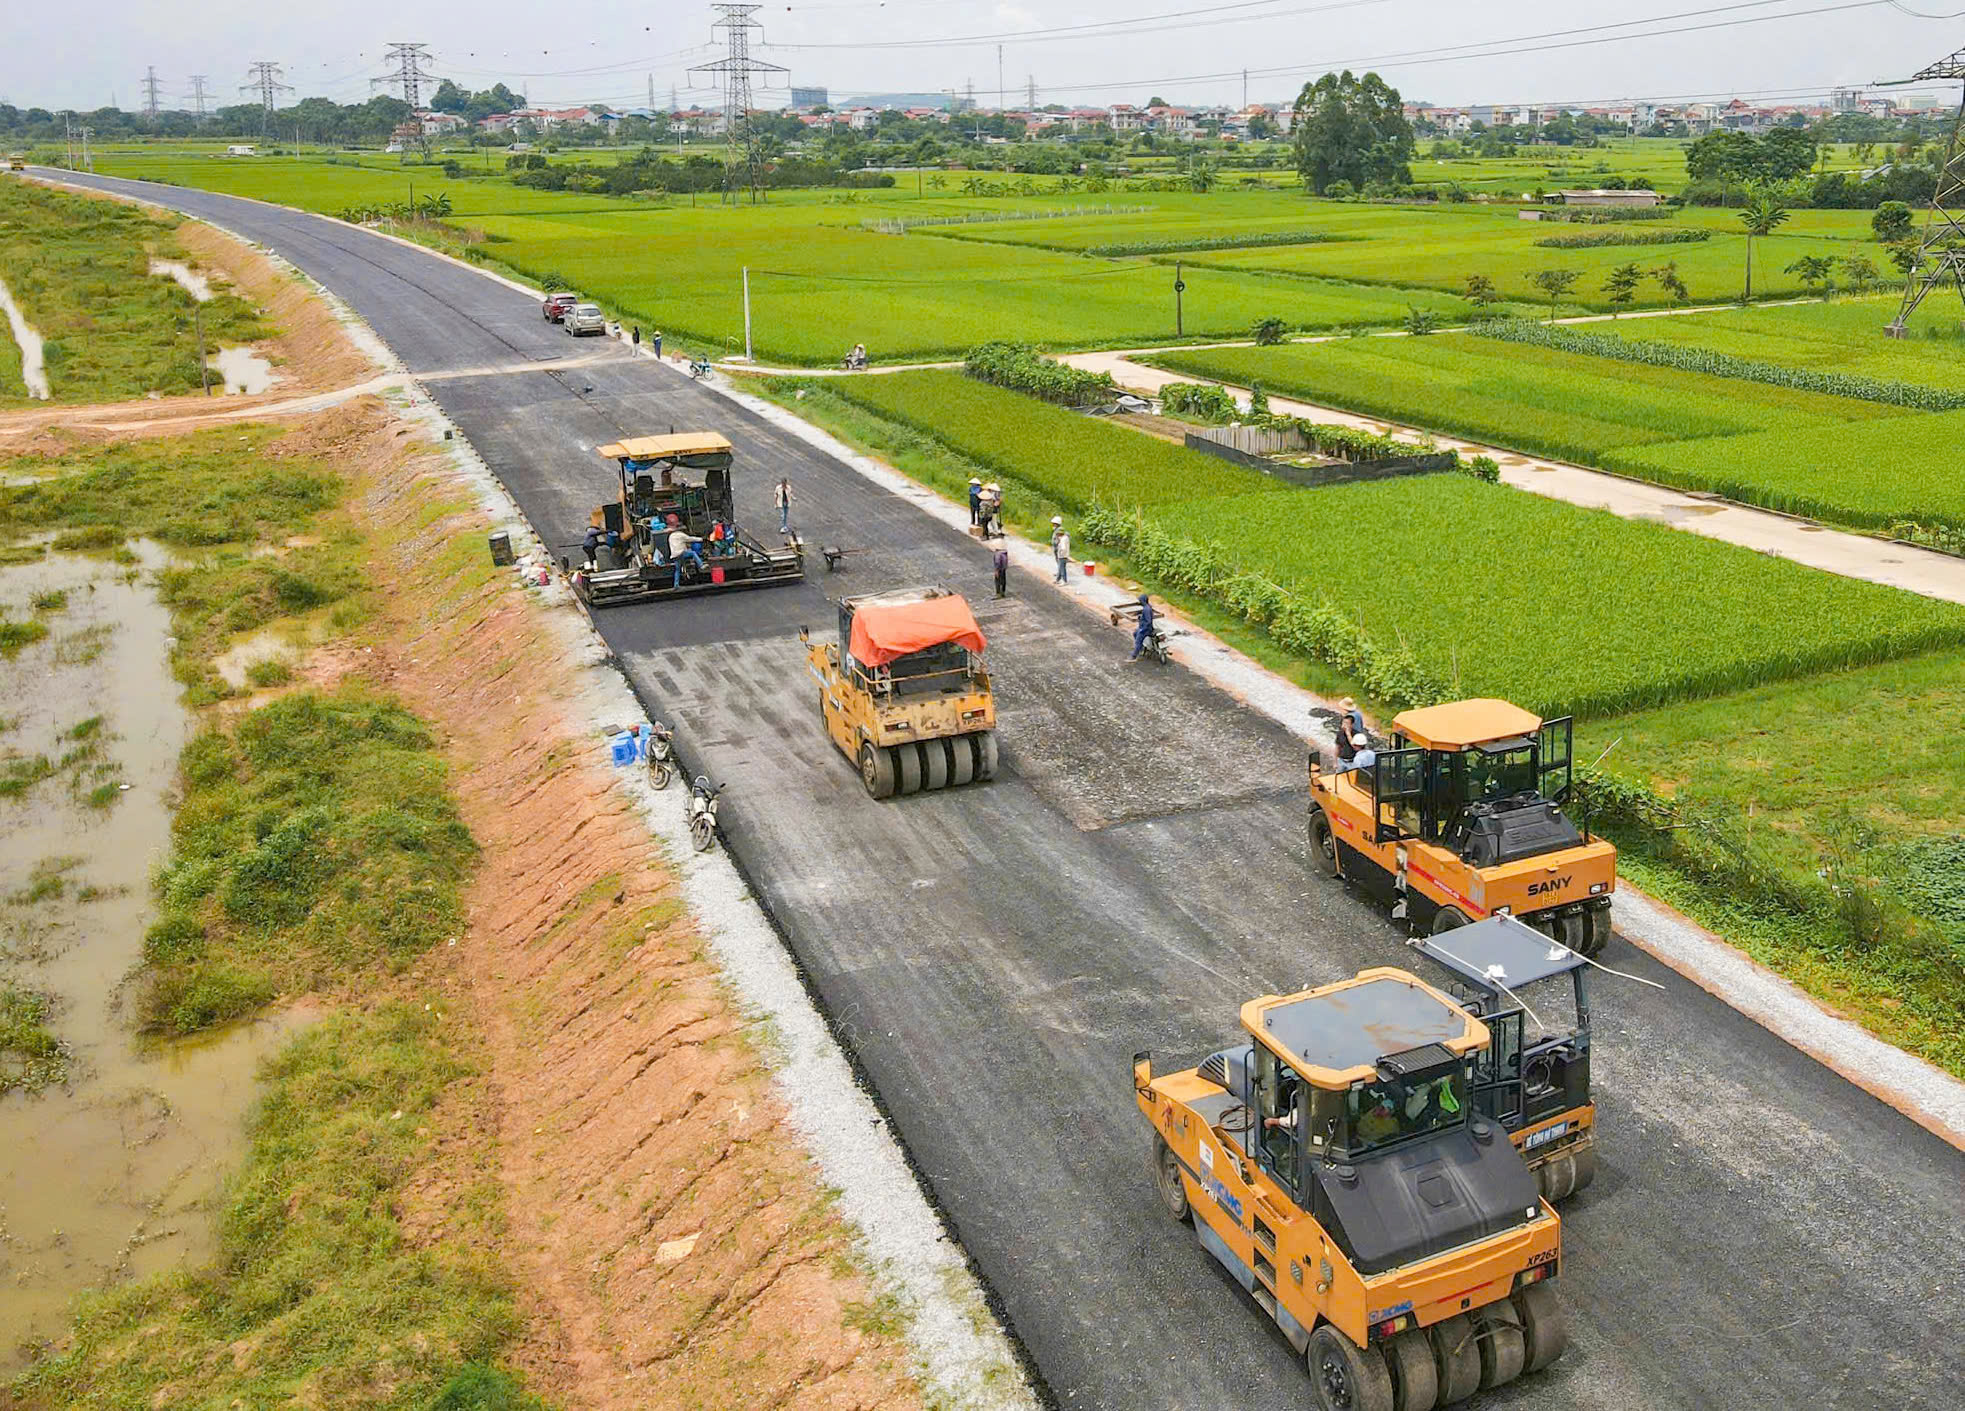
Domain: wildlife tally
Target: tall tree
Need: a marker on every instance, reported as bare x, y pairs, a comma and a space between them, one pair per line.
1763, 215
1555, 283
1620, 286
1351, 129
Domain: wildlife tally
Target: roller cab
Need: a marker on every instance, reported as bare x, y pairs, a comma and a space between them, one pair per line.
1338, 1164
1461, 819
903, 692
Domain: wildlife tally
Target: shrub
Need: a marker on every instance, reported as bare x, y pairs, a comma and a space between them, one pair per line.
1199, 401
1269, 331
1023, 369
1594, 239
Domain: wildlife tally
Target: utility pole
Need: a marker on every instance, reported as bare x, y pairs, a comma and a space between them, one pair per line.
1245, 90
747, 315
1030, 92
742, 150
1002, 93
1940, 257
88, 162
263, 78
651, 93
150, 85
198, 95
68, 129
1180, 288
204, 368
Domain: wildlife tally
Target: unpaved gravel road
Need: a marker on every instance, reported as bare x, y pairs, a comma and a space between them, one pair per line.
1762, 1233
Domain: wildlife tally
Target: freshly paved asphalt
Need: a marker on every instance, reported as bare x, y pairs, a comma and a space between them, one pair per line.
1763, 1233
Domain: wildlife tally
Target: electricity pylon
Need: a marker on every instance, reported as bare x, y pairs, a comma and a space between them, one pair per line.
1941, 252
744, 154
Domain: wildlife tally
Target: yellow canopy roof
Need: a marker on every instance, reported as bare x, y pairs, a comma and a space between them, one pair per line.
654, 448
1462, 723
1334, 1035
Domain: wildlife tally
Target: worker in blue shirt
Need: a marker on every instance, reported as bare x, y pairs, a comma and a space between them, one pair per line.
1145, 628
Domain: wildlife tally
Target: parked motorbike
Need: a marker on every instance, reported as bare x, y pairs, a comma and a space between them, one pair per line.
703, 796
699, 368
661, 755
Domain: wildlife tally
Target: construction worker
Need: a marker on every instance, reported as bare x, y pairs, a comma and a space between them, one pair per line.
975, 501
590, 546
1061, 546
682, 545
1000, 560
1145, 629
782, 498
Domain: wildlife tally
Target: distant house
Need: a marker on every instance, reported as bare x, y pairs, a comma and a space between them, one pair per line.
242, 149
1608, 198
440, 122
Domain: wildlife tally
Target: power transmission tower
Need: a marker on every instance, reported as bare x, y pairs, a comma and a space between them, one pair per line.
264, 78
150, 86
198, 95
1941, 253
410, 75
744, 155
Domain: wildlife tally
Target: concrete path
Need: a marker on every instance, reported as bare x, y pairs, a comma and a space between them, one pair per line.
1885, 561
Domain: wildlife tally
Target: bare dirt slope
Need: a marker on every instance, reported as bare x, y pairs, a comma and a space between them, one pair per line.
668, 1232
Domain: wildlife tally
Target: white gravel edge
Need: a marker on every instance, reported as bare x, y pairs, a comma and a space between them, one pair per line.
1922, 1091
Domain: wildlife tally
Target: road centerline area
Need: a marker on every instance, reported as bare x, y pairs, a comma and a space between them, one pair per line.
1760, 1222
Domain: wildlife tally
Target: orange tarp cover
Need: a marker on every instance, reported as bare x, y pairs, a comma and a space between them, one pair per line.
884, 632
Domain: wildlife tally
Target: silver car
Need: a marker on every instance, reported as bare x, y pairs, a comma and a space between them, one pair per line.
585, 318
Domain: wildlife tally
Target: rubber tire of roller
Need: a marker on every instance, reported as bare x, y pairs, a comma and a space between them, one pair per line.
986, 755
1503, 1349
1545, 1328
961, 762
876, 770
1456, 1358
1415, 1378
1586, 1167
934, 764
1599, 931
1448, 918
1367, 1382
1573, 931
907, 769
1323, 843
1167, 1182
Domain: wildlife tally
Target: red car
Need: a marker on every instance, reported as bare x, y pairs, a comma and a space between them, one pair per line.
554, 306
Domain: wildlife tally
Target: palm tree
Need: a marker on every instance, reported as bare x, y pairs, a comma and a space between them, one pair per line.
1763, 215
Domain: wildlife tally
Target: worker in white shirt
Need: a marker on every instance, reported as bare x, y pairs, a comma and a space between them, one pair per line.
682, 545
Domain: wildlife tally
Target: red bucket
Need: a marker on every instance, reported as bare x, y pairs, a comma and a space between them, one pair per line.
716, 573
1090, 568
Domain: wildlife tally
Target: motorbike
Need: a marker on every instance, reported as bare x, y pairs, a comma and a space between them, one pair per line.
699, 368
703, 796
1155, 645
661, 755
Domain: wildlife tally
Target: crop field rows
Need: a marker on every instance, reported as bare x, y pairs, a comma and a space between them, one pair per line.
1502, 592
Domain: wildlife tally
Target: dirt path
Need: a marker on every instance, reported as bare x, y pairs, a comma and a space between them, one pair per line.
1884, 561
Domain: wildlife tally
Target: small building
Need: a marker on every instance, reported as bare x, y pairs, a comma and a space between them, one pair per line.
1644, 199
242, 149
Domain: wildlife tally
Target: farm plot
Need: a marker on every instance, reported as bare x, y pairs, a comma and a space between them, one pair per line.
1505, 593
1532, 399
1871, 476
1441, 252
1069, 458
816, 289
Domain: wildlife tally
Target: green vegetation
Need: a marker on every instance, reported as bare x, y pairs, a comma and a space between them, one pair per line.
320, 1293
31, 1057
1529, 398
1687, 621
316, 845
1070, 460
79, 267
1828, 809
1022, 369
1917, 396
1595, 239
228, 507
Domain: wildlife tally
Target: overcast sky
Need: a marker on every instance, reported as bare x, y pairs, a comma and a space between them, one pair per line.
1446, 51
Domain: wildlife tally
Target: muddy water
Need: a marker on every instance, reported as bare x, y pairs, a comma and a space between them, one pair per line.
113, 1173
33, 367
243, 370
193, 283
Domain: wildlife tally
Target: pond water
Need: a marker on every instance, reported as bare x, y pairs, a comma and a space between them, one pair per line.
111, 1174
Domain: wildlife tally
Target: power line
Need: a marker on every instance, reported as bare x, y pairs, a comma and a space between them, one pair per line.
1522, 44
410, 75
743, 151
264, 79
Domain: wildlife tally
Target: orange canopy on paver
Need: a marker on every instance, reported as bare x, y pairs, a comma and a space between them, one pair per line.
884, 632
